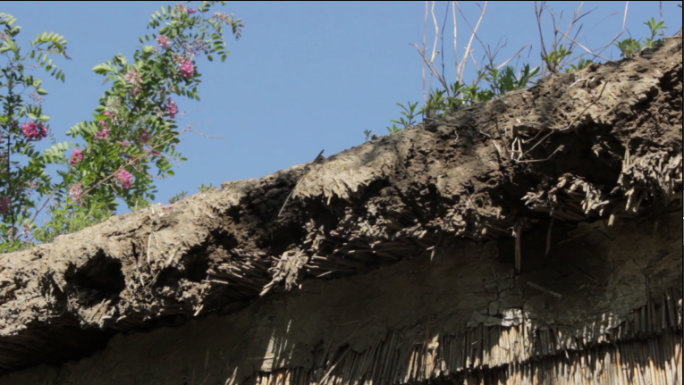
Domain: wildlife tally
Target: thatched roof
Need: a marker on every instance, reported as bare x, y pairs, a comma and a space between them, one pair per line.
538, 231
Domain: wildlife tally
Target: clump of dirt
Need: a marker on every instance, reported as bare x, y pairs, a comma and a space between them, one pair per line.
601, 144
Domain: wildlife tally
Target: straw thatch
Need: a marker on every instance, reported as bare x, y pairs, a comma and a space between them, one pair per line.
531, 239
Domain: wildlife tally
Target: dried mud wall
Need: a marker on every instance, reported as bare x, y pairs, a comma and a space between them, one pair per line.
604, 305
534, 234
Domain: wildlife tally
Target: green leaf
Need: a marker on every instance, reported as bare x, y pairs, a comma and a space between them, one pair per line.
41, 91
157, 69
9, 45
102, 69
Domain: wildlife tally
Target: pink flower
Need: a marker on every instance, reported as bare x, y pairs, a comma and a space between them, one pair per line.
144, 136
171, 108
112, 114
181, 8
133, 77
163, 41
76, 156
3, 36
124, 178
34, 96
34, 131
187, 69
26, 232
102, 134
152, 151
4, 204
191, 11
76, 191
225, 18
103, 123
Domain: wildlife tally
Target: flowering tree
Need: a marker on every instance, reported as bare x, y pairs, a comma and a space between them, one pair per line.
133, 132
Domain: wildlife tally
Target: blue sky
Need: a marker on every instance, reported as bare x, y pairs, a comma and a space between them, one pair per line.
305, 76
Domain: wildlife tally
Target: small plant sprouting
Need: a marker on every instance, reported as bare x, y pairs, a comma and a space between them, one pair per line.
655, 28
407, 120
555, 58
581, 64
435, 105
368, 134
504, 81
394, 129
441, 102
409, 113
203, 188
630, 47
178, 197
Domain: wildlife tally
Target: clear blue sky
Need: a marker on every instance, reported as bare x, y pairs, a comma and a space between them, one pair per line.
305, 76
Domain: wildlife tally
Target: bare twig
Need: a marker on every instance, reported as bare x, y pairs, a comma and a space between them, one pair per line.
548, 237
589, 51
679, 353
325, 377
574, 21
538, 12
453, 18
425, 96
461, 70
518, 252
42, 207
624, 18
545, 290
446, 13
542, 160
434, 71
662, 19
149, 243
513, 57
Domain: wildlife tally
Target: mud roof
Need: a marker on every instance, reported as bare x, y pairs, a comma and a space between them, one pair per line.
603, 144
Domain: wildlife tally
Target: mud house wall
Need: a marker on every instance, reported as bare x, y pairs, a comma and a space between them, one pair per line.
432, 224
414, 318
